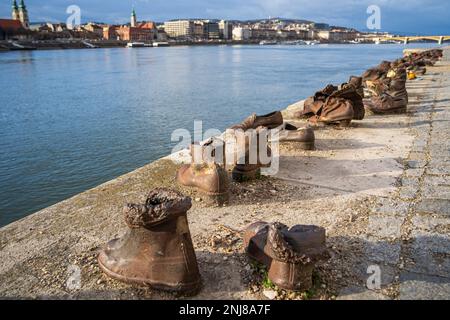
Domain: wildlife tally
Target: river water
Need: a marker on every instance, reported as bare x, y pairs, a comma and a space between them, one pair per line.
73, 119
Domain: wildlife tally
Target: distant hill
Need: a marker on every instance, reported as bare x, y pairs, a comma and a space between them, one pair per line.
285, 20
299, 21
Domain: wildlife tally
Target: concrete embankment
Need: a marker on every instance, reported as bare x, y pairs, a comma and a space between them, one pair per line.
90, 44
381, 189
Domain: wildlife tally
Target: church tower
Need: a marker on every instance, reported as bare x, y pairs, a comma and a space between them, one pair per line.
15, 11
23, 15
133, 19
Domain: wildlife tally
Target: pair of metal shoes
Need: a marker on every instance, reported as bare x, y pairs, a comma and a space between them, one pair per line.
208, 171
290, 255
335, 105
157, 248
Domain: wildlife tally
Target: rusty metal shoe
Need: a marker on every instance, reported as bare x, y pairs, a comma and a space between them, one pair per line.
385, 104
384, 66
269, 121
353, 92
212, 150
327, 91
376, 74
301, 138
254, 154
157, 249
375, 88
289, 254
372, 74
357, 99
313, 105
337, 111
242, 173
250, 171
210, 179
357, 83
397, 91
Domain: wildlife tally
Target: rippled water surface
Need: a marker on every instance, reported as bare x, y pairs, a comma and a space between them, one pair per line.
72, 119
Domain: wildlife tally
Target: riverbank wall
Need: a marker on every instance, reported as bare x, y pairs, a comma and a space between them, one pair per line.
59, 44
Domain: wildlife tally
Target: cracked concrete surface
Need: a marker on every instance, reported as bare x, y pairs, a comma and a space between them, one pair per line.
381, 189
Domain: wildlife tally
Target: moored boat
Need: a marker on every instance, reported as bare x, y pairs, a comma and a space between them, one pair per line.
312, 42
135, 44
268, 43
160, 44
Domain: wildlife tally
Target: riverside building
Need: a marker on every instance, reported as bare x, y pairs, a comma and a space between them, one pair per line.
211, 30
225, 30
10, 29
20, 13
205, 29
241, 33
135, 32
18, 26
179, 28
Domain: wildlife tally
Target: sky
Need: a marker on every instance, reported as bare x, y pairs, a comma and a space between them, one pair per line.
399, 16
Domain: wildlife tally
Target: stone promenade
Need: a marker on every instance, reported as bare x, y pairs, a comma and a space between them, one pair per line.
409, 233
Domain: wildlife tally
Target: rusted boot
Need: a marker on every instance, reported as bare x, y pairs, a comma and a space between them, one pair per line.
353, 92
375, 80
210, 179
209, 151
248, 170
157, 249
377, 73
269, 121
207, 172
371, 75
379, 104
337, 111
385, 104
397, 87
289, 254
375, 88
394, 99
357, 83
397, 90
357, 97
313, 105
253, 154
300, 138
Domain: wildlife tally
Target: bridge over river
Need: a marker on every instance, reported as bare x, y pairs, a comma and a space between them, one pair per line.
408, 39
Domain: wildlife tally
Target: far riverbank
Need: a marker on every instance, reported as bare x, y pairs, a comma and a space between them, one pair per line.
11, 45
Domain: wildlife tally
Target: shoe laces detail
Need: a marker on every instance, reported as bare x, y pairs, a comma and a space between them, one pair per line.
161, 203
281, 248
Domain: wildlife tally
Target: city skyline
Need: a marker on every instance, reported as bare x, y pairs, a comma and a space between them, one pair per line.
418, 17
